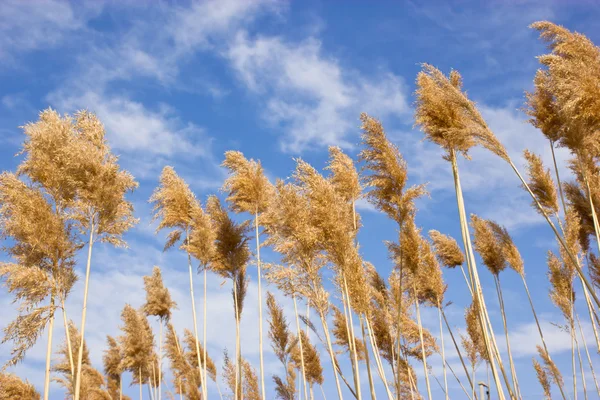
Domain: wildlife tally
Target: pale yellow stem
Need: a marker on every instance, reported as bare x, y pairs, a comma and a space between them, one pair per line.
423, 356
443, 351
260, 317
49, 350
331, 354
587, 352
350, 334
373, 341
301, 347
69, 346
84, 311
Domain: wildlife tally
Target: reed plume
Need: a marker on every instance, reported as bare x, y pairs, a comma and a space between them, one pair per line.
249, 388
282, 343
312, 361
230, 259
542, 377
249, 191
13, 388
177, 209
447, 250
43, 264
92, 382
541, 183
113, 368
137, 345
158, 304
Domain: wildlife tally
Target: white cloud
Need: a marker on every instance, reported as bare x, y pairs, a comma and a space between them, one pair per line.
39, 24
308, 95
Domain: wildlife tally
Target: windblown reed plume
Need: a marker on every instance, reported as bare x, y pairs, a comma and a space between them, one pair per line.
447, 250
249, 191
13, 388
43, 264
137, 346
541, 183
113, 368
92, 382
312, 361
283, 343
158, 304
542, 377
176, 207
230, 259
249, 387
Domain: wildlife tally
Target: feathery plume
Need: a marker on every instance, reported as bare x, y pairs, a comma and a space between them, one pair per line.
158, 299
137, 344
543, 379
541, 184
13, 388
550, 368
475, 332
112, 366
447, 250
542, 108
487, 246
448, 117
561, 280
574, 70
388, 173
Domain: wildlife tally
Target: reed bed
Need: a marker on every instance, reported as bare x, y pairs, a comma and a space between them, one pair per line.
370, 337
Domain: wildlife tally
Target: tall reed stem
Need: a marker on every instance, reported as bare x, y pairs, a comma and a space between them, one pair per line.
364, 338
587, 352
537, 322
84, 310
238, 353
302, 365
443, 350
351, 338
562, 242
69, 347
205, 343
473, 272
373, 341
260, 317
160, 360
513, 371
331, 354
423, 356
202, 383
462, 361
49, 350
580, 363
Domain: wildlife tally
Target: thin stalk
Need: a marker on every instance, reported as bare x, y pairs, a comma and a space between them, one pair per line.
466, 280
572, 258
591, 200
195, 320
587, 352
204, 327
140, 381
160, 360
443, 351
458, 380
331, 354
69, 347
423, 356
371, 386
580, 364
322, 392
149, 391
351, 338
560, 189
260, 317
49, 350
120, 387
238, 364
84, 310
571, 331
373, 341
513, 371
462, 361
537, 322
591, 314
152, 384
473, 271
301, 347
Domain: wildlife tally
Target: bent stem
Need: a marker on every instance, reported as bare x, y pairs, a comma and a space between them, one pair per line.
49, 350
473, 272
423, 356
537, 322
462, 361
587, 352
84, 309
301, 347
260, 316
331, 354
364, 338
443, 350
508, 348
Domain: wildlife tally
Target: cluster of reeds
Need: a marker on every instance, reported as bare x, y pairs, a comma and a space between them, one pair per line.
70, 187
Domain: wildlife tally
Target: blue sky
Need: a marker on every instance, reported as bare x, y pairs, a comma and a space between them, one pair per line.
179, 83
